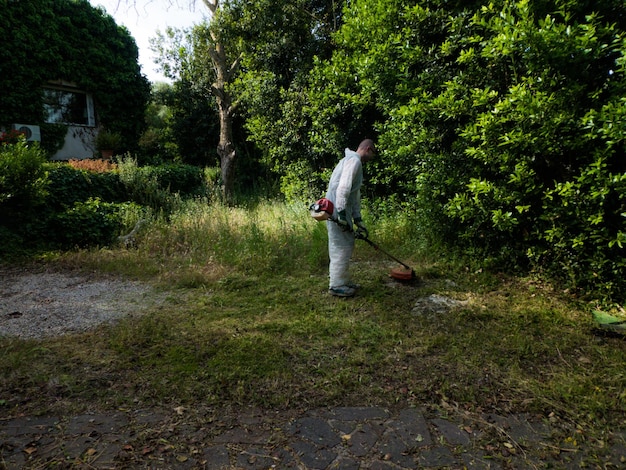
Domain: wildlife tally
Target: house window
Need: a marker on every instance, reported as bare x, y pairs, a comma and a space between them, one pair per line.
68, 107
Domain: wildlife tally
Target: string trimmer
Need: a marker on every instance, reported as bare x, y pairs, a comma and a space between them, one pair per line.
323, 210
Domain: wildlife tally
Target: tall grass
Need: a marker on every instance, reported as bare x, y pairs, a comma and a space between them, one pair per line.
214, 239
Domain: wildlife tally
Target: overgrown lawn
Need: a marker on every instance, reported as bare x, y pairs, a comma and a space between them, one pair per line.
248, 322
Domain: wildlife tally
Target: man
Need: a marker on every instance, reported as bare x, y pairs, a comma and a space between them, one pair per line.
344, 190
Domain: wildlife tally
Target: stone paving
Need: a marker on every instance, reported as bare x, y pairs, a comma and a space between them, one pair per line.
339, 438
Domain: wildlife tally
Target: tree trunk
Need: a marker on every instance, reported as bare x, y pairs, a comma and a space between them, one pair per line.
227, 154
223, 75
226, 146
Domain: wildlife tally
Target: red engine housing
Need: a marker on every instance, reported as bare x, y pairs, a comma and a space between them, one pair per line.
322, 209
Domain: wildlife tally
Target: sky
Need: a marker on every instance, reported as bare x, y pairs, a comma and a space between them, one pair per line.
144, 17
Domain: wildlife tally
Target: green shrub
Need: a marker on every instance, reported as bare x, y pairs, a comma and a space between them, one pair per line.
584, 218
12, 246
160, 188
107, 140
212, 182
69, 185
300, 183
503, 123
23, 180
176, 177
89, 223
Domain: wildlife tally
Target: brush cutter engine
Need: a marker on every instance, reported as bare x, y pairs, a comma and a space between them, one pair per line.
322, 209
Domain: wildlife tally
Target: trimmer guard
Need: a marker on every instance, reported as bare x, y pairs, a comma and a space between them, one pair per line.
402, 274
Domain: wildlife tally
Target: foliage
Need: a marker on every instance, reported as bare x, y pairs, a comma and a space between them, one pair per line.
272, 45
176, 178
150, 186
501, 123
107, 140
23, 178
89, 223
279, 41
489, 117
67, 40
95, 197
533, 176
69, 185
124, 181
501, 126
192, 123
212, 177
158, 143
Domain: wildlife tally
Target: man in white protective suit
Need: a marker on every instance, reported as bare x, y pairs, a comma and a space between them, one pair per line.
344, 190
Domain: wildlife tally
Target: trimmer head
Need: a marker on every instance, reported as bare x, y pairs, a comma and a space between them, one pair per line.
402, 274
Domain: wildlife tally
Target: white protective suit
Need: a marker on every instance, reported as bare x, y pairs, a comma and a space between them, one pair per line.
344, 190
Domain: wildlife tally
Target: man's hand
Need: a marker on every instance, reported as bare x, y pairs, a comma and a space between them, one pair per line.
361, 228
342, 221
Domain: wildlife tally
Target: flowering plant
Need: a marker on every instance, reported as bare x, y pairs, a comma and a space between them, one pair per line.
95, 165
11, 137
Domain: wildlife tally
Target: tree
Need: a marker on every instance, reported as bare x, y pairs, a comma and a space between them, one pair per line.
280, 41
224, 58
182, 55
225, 65
272, 47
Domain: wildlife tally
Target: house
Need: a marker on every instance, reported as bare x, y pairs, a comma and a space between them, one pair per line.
68, 70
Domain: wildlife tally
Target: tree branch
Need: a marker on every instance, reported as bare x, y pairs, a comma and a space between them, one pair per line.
234, 67
212, 5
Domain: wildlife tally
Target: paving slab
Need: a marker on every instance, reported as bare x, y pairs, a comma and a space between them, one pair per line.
437, 457
452, 433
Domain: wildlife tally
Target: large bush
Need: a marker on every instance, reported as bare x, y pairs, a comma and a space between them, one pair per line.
23, 179
503, 124
86, 224
56, 206
69, 185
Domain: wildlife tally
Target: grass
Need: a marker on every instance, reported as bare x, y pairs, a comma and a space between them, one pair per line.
248, 322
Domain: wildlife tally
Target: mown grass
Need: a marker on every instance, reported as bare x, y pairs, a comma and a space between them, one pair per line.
247, 321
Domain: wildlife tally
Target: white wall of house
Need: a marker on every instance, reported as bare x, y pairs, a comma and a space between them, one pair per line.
64, 103
79, 143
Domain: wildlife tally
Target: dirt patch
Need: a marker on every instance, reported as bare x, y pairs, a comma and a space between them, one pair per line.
47, 303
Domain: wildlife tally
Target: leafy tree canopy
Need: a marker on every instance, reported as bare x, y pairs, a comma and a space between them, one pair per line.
501, 124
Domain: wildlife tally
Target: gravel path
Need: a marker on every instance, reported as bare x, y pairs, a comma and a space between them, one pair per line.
42, 304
